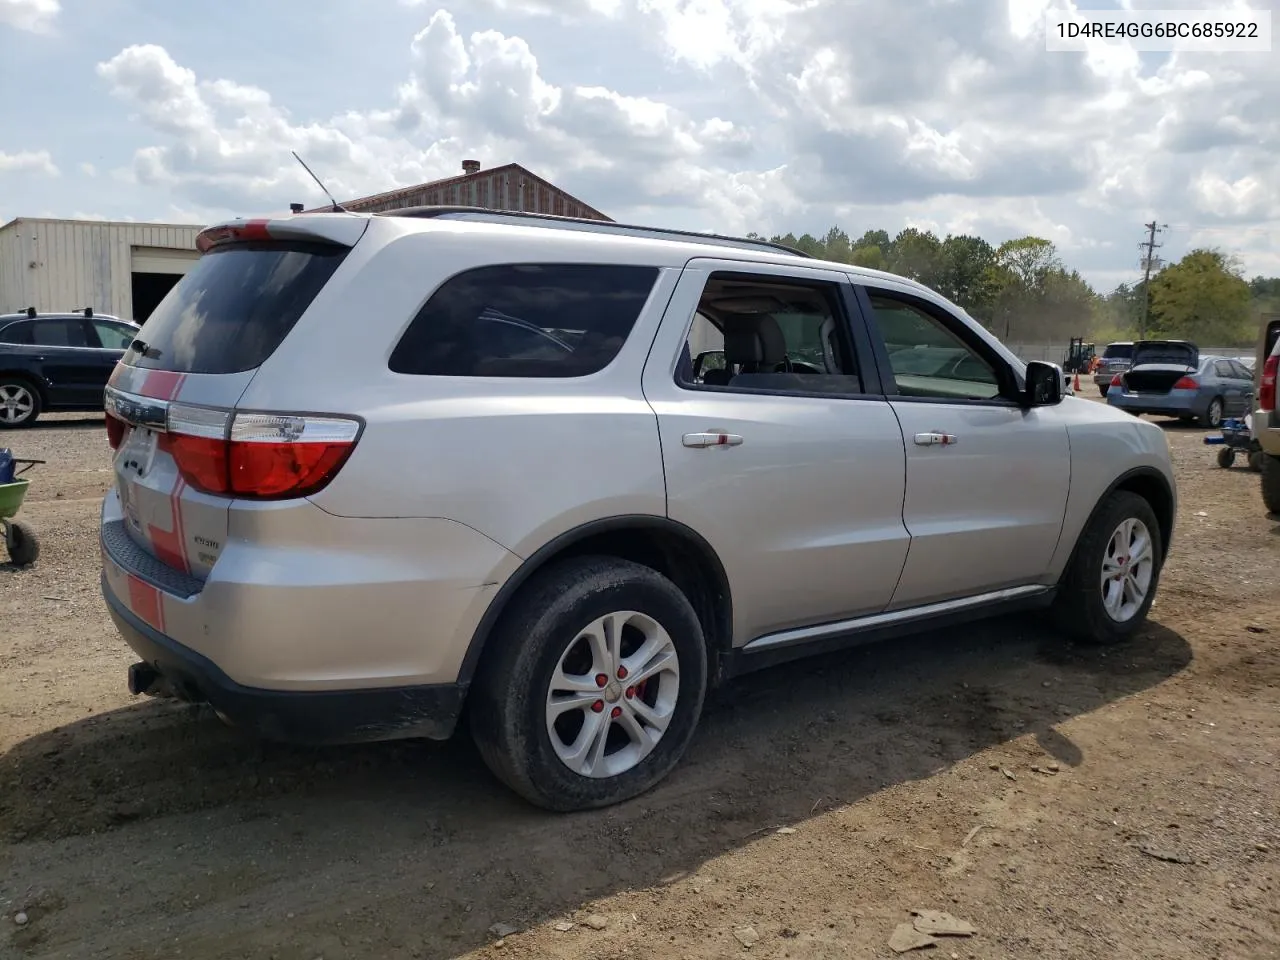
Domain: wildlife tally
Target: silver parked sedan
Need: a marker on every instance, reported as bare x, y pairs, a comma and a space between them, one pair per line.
1170, 378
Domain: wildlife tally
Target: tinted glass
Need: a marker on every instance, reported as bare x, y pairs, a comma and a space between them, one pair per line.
525, 320
235, 306
1118, 351
1242, 372
62, 332
113, 336
1223, 369
16, 333
929, 360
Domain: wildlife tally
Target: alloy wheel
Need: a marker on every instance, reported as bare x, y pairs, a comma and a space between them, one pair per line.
16, 403
613, 694
1127, 569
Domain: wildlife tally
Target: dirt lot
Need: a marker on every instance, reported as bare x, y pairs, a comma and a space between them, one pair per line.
1067, 802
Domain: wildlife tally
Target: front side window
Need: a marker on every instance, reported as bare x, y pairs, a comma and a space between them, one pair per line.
929, 360
769, 333
113, 336
525, 320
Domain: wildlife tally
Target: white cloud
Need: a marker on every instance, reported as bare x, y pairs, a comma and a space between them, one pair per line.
768, 115
38, 161
36, 16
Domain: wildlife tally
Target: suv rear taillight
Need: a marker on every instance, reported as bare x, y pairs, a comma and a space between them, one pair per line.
115, 431
262, 456
1186, 383
1267, 389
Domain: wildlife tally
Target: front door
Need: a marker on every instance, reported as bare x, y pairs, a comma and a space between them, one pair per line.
781, 455
987, 480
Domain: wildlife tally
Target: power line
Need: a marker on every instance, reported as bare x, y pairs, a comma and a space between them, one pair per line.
1148, 262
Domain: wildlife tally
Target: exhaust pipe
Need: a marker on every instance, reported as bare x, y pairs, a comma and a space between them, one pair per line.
145, 679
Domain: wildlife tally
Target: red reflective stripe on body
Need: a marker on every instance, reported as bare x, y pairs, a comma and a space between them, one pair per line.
170, 546
161, 384
146, 603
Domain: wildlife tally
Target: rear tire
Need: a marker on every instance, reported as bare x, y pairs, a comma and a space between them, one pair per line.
1118, 556
550, 650
19, 402
1226, 457
1213, 415
1271, 483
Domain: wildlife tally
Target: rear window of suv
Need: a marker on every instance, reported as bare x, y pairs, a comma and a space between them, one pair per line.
525, 320
235, 307
1118, 351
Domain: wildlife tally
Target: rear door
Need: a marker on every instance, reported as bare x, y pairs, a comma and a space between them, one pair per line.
787, 460
68, 360
987, 480
178, 383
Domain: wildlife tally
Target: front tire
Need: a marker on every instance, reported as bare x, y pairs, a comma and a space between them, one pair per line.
1213, 415
1271, 483
1108, 589
542, 718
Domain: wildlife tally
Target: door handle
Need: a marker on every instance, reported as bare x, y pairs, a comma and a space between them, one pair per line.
711, 440
935, 439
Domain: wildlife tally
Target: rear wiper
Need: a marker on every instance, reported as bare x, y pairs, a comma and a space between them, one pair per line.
143, 349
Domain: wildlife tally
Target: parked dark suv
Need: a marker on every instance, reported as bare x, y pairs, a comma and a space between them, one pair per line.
57, 361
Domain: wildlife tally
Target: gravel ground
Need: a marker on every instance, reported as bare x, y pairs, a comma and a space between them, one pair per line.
1066, 802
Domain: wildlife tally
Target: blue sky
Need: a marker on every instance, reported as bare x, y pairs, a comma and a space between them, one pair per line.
731, 115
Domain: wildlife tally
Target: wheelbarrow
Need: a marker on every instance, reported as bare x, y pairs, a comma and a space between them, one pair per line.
1237, 439
19, 538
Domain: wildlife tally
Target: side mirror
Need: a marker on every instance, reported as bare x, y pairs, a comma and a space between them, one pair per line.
1044, 384
707, 360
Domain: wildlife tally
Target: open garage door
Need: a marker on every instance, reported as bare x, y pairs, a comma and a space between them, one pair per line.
155, 270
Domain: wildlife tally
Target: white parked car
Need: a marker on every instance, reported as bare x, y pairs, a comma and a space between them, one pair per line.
373, 471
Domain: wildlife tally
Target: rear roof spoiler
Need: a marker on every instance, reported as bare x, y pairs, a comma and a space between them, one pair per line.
316, 228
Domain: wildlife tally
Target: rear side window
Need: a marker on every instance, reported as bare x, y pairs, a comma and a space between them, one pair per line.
525, 320
61, 332
234, 307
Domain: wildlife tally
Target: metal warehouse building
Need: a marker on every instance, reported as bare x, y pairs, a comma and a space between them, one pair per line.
510, 187
123, 269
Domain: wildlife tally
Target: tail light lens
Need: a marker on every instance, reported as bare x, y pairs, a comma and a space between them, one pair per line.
1267, 389
1187, 383
115, 431
1118, 380
258, 456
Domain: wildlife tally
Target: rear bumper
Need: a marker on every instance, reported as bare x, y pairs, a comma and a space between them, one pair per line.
311, 717
1176, 403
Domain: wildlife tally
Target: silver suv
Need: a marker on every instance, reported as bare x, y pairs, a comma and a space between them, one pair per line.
373, 471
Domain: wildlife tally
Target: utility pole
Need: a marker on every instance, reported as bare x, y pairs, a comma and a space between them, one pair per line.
1147, 262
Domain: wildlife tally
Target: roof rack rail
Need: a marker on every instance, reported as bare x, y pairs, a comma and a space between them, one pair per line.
592, 226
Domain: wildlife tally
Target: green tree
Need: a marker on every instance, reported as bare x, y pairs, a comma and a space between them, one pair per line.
917, 255
837, 245
871, 257
963, 275
1203, 298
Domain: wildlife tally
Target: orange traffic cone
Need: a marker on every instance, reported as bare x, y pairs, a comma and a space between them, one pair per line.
1076, 384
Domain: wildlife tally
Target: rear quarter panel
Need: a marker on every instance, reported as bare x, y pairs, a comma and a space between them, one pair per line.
519, 460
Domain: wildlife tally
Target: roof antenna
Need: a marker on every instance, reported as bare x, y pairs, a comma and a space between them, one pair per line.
337, 207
